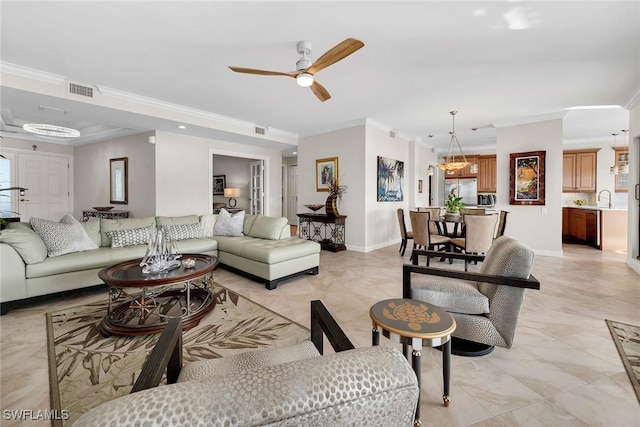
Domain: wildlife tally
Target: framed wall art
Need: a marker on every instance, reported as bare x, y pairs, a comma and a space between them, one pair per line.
326, 173
390, 177
526, 179
219, 182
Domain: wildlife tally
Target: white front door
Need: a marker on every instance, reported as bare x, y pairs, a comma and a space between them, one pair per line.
292, 194
47, 181
256, 202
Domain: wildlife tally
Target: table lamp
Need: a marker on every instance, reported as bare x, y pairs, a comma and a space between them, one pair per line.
231, 193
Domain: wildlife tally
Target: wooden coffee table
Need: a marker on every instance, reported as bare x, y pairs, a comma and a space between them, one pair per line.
416, 324
142, 303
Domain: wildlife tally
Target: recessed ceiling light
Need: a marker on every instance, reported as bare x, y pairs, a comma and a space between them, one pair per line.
182, 127
50, 130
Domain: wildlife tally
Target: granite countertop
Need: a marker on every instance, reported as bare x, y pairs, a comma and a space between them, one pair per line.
595, 208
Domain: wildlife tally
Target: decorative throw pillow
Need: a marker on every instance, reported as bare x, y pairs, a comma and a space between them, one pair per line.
184, 231
229, 225
207, 222
62, 237
136, 236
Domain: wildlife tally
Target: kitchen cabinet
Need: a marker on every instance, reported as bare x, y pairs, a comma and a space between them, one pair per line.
580, 226
464, 172
579, 171
622, 179
487, 174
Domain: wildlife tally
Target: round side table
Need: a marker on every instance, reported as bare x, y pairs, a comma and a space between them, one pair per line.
416, 324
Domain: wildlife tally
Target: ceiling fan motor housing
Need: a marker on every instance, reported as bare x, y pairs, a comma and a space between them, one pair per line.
304, 49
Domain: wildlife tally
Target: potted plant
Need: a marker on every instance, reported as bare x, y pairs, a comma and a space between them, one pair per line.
453, 204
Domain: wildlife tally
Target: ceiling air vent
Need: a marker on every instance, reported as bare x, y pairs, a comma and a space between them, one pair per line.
261, 130
81, 90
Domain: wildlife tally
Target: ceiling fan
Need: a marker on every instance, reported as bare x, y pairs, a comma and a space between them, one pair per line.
305, 70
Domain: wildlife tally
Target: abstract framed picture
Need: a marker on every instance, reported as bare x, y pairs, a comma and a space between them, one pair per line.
326, 173
219, 182
527, 178
390, 180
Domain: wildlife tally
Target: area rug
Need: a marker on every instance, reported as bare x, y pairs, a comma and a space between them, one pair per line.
87, 369
627, 340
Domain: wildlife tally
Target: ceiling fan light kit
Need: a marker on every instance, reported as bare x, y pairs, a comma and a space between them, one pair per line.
305, 70
304, 79
50, 130
449, 164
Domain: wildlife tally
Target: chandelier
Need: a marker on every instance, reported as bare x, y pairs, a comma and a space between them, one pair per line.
450, 163
614, 170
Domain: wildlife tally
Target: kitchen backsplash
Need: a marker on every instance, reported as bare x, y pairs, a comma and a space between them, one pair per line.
619, 200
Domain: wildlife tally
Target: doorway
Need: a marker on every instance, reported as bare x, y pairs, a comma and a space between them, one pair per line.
46, 179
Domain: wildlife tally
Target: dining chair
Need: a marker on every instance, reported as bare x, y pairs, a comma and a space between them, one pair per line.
470, 211
404, 234
422, 238
502, 224
480, 230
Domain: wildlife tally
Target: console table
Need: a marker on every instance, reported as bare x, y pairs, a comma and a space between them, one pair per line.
329, 231
112, 214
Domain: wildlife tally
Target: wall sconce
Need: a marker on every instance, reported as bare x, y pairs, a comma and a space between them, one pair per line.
232, 193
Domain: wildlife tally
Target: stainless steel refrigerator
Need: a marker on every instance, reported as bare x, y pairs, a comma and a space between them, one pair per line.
467, 188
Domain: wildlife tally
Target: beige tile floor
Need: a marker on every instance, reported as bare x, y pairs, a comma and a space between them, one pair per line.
563, 369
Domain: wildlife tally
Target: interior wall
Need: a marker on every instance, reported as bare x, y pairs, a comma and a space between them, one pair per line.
92, 174
422, 158
349, 146
539, 227
633, 246
183, 178
237, 175
381, 223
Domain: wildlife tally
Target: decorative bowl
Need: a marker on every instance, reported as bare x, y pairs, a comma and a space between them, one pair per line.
579, 202
314, 207
188, 263
103, 208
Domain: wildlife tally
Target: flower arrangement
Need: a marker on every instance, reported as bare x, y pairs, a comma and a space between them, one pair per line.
453, 204
336, 189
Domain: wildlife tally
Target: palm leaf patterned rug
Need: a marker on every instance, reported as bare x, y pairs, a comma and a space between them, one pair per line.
627, 340
87, 369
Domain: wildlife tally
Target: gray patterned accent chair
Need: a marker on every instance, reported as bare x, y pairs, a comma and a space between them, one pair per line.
485, 305
289, 386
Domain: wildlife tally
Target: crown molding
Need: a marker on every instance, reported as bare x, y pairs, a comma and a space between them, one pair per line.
633, 101
32, 73
534, 119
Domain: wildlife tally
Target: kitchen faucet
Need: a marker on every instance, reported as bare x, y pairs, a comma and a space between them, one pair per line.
601, 191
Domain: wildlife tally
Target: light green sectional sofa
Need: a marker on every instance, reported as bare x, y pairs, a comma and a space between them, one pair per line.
264, 251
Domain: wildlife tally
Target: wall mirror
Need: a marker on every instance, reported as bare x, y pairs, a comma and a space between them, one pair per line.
118, 184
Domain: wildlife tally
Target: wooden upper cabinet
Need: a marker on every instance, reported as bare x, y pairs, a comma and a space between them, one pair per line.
579, 171
487, 174
622, 159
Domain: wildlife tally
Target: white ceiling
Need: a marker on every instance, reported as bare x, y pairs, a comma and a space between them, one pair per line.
421, 59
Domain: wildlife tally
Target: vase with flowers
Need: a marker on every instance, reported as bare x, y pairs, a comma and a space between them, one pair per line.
335, 196
453, 204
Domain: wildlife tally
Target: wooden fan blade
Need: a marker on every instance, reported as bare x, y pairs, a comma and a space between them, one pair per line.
261, 72
335, 54
320, 91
